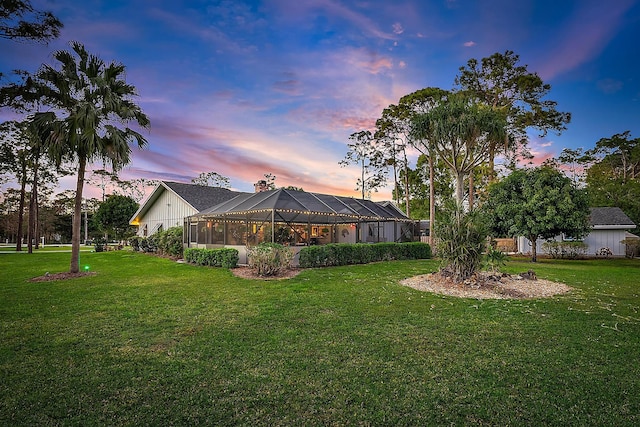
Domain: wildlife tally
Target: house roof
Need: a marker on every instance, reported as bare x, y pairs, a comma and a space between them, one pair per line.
199, 197
610, 217
302, 207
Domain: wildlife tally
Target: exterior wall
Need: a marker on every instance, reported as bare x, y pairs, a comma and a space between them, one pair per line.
595, 240
346, 233
598, 239
168, 210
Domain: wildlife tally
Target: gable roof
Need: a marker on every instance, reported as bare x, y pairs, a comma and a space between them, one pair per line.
610, 217
198, 197
301, 206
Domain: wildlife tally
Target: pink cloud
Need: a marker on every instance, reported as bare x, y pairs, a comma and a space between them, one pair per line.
370, 61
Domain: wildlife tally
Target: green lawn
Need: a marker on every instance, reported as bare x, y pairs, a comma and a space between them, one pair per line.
148, 341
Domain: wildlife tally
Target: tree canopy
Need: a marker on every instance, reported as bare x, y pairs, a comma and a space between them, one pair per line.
20, 21
501, 82
460, 131
114, 213
212, 179
364, 152
90, 107
536, 203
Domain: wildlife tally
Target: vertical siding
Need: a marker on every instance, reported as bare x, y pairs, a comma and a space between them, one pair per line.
611, 239
596, 240
168, 210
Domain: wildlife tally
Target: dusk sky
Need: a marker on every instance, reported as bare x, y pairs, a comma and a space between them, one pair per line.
245, 88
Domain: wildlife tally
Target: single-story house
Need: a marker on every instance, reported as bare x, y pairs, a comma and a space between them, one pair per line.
295, 218
171, 202
609, 227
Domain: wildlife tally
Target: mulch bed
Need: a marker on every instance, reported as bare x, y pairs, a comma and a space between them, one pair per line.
48, 277
486, 286
249, 273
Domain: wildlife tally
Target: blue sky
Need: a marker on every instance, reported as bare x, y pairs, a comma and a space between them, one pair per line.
245, 88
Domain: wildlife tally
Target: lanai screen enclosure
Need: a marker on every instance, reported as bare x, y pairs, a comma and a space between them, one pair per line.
296, 218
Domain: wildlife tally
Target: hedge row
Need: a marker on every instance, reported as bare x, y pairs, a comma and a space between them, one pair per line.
570, 250
223, 257
361, 253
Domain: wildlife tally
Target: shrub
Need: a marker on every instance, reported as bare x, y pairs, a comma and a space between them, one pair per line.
570, 250
632, 247
170, 242
135, 242
100, 244
268, 259
361, 253
223, 257
494, 260
149, 244
461, 241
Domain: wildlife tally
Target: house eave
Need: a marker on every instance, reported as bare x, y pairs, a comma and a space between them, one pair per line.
614, 227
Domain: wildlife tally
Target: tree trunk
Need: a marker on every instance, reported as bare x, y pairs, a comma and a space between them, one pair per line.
33, 209
23, 190
406, 184
77, 218
362, 179
471, 189
432, 200
32, 221
492, 163
459, 188
534, 250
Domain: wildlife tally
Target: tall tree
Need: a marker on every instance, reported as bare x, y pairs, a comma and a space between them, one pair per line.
212, 179
501, 82
536, 203
20, 21
92, 100
613, 179
363, 152
575, 162
114, 213
623, 153
23, 160
460, 131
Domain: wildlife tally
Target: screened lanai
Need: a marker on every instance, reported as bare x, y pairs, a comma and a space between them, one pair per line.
296, 218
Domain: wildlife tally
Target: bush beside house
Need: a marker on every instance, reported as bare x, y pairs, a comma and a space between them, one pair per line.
167, 242
361, 253
223, 257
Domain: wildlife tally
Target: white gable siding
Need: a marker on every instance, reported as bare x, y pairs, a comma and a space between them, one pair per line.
169, 210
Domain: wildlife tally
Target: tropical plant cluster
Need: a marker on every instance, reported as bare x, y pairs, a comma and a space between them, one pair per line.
269, 259
361, 253
167, 242
462, 240
223, 257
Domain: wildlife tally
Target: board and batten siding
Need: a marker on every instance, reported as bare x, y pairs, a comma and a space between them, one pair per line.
611, 239
169, 210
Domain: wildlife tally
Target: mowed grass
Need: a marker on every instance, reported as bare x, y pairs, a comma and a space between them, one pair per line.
148, 341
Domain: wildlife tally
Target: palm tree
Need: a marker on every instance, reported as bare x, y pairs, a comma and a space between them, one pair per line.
90, 99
